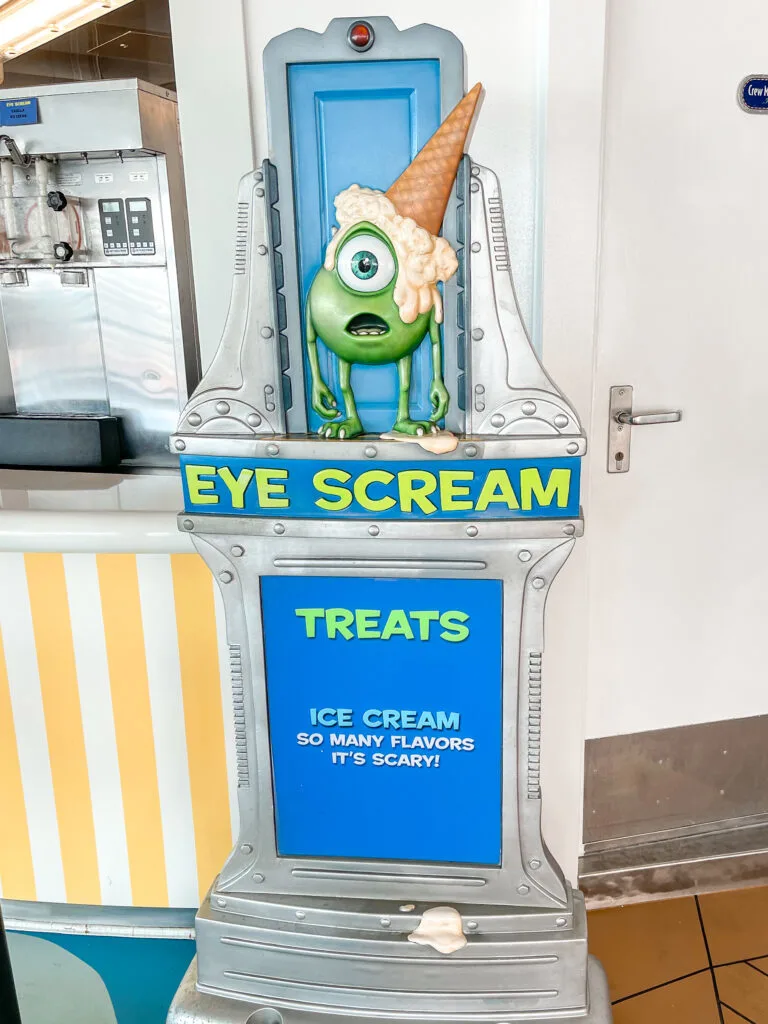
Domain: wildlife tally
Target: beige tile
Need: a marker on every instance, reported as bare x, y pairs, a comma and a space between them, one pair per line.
691, 1001
736, 924
647, 944
745, 990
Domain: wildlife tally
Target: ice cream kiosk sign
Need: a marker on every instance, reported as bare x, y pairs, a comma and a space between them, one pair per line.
384, 482
394, 490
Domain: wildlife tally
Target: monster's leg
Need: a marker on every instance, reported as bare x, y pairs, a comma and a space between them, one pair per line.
404, 396
323, 400
352, 422
404, 424
350, 426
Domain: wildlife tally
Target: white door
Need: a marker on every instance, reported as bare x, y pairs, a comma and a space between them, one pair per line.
677, 561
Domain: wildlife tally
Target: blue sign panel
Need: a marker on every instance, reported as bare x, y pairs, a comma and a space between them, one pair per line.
450, 489
19, 111
357, 123
753, 93
385, 712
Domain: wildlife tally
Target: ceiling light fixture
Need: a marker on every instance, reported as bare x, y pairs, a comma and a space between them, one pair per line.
26, 24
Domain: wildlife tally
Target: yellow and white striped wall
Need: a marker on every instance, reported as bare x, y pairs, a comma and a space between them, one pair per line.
116, 742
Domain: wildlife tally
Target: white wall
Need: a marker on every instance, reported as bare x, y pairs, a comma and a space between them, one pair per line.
679, 602
217, 140
221, 102
572, 174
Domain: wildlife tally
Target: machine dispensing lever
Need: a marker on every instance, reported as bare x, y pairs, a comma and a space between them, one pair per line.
620, 423
17, 157
642, 418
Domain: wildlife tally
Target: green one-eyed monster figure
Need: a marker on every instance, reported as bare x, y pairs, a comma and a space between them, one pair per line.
376, 297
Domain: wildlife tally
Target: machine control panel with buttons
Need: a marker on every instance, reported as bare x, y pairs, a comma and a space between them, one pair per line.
141, 235
113, 229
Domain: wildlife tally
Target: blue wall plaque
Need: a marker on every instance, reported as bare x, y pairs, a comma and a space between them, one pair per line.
385, 711
753, 94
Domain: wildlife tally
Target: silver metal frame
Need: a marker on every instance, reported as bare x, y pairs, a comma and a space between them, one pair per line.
316, 551
241, 392
194, 1004
509, 391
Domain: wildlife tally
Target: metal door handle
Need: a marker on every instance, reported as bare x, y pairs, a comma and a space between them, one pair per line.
642, 418
620, 423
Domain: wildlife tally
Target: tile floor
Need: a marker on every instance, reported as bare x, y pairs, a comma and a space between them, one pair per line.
695, 960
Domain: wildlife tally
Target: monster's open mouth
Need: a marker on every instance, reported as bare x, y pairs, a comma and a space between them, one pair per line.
367, 323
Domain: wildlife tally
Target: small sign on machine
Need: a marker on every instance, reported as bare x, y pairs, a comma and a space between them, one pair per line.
24, 110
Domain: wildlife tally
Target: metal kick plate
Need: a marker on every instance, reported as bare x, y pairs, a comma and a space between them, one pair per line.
619, 434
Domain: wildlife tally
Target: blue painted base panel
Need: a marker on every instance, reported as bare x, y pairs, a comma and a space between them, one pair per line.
96, 979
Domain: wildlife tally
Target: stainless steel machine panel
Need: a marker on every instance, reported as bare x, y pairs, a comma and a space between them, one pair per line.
95, 284
136, 321
55, 357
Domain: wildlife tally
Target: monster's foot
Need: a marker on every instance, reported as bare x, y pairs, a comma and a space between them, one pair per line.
415, 428
349, 427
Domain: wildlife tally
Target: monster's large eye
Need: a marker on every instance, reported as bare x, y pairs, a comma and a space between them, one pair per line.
366, 263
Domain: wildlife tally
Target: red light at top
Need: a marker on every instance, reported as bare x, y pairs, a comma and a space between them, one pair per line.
360, 36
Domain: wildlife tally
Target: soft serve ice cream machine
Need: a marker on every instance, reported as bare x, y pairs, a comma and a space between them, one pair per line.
98, 347
384, 482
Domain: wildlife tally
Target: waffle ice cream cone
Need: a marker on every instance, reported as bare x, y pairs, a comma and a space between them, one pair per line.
423, 189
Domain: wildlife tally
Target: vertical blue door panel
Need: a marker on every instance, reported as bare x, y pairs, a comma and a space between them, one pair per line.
357, 123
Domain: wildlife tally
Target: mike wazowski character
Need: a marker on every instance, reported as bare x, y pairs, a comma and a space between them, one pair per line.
376, 296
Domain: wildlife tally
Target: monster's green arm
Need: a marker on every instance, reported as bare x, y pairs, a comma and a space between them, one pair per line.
438, 394
323, 401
